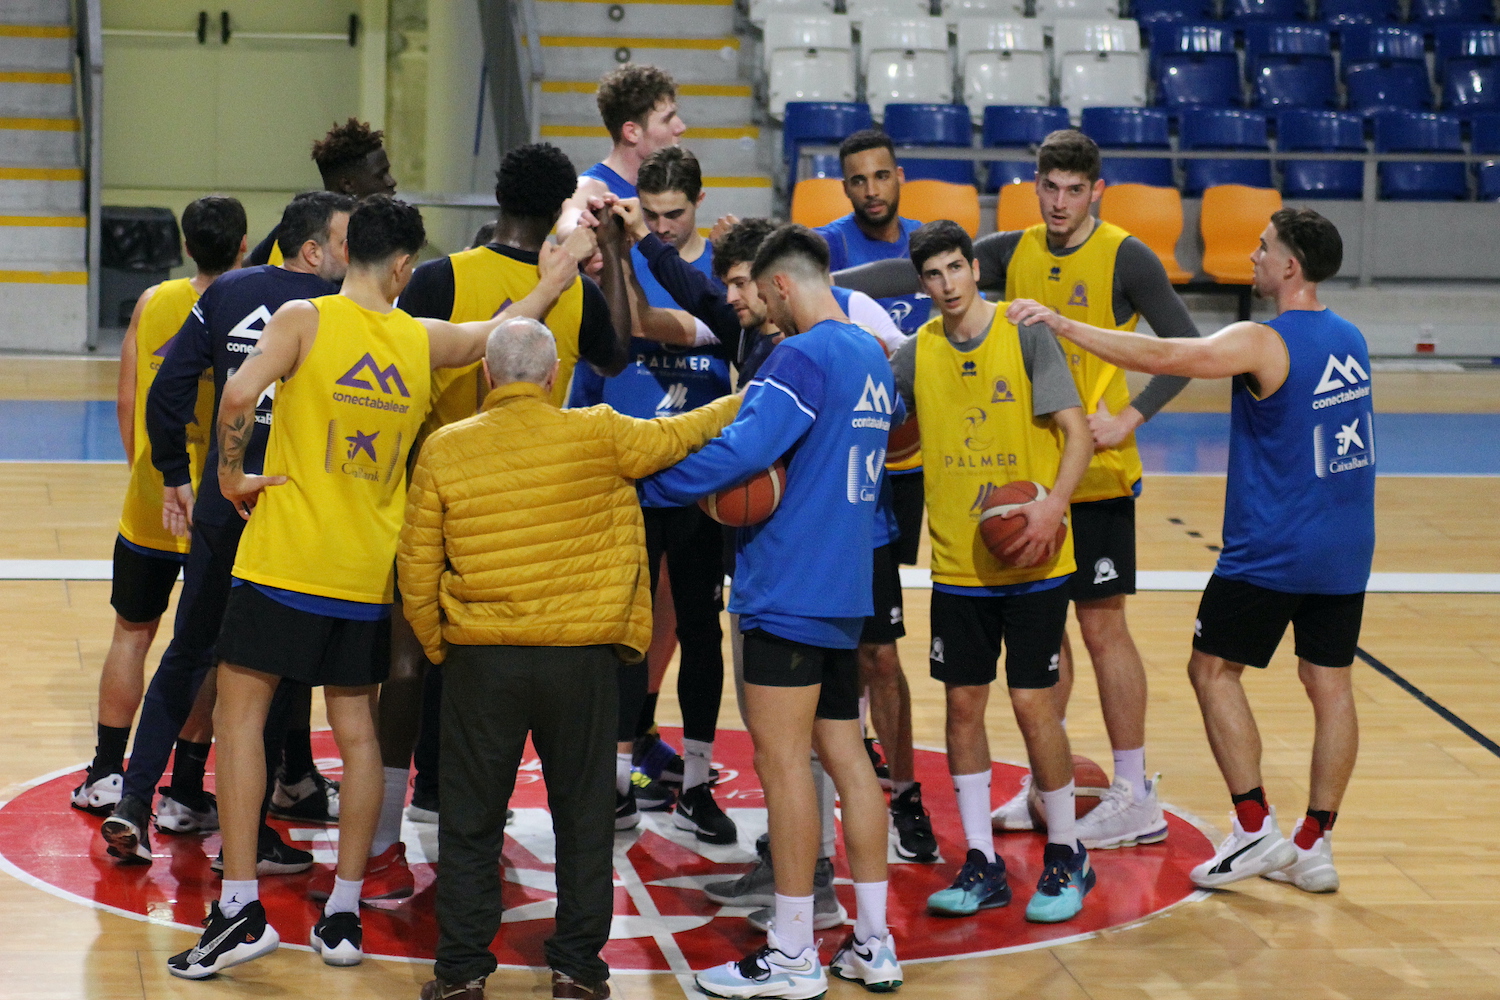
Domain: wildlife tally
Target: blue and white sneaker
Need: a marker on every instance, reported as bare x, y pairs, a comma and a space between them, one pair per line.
1066, 878
870, 963
769, 972
980, 885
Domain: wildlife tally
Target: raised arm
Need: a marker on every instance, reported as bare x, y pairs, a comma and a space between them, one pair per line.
689, 287
615, 281
647, 446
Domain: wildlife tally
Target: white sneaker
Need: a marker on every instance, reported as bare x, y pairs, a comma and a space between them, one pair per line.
1015, 815
1246, 855
1313, 869
870, 963
1120, 820
769, 972
101, 795
173, 815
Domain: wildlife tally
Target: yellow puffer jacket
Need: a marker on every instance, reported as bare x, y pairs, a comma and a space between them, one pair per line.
523, 528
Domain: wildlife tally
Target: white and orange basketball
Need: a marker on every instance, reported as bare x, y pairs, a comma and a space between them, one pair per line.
750, 502
905, 440
999, 531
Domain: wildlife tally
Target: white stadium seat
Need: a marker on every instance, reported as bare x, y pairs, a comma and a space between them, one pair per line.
864, 12
805, 31
1049, 11
1002, 62
906, 60
1005, 10
808, 57
1101, 79
1076, 34
760, 10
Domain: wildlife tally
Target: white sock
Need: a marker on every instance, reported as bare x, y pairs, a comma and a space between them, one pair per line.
622, 773
697, 757
345, 896
388, 827
235, 896
1058, 808
793, 923
869, 913
974, 812
824, 786
1131, 765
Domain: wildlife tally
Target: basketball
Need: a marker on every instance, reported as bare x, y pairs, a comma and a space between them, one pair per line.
998, 531
905, 441
1089, 783
750, 502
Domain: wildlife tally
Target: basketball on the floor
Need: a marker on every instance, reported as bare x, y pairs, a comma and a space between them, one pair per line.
904, 442
1089, 783
750, 502
998, 531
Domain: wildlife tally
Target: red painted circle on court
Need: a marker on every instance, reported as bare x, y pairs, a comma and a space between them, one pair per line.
663, 921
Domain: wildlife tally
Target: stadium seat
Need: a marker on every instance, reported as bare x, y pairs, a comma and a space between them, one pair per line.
1297, 82
931, 125
805, 31
1471, 86
1131, 128
1049, 12
1087, 80
1016, 207
1271, 41
819, 123
1223, 128
1341, 13
863, 12
1152, 215
929, 200
1008, 127
955, 11
1185, 38
808, 57
1376, 87
1231, 220
1082, 34
906, 60
817, 201
1002, 63
1468, 42
1149, 11
762, 9
1420, 132
1485, 138
1381, 43
1436, 11
1264, 10
1191, 81
1313, 131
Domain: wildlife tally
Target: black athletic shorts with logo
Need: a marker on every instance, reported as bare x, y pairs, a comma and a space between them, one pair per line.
1243, 623
263, 634
886, 625
776, 662
908, 501
142, 585
967, 633
1104, 546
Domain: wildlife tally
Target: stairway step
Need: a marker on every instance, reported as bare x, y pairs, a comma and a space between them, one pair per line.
27, 237
36, 47
43, 310
33, 12
29, 94
690, 60
741, 196
727, 103
41, 189
696, 18
40, 141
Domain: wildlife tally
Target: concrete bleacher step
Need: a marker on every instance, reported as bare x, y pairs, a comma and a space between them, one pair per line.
26, 94
685, 18
32, 236
689, 60
725, 103
51, 12
39, 141
43, 309
721, 149
45, 47
56, 190
745, 197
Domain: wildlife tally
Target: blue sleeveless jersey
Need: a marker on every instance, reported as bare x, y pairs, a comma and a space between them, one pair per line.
848, 246
1299, 505
618, 186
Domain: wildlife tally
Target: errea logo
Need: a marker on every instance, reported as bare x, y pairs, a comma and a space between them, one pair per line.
1338, 374
387, 377
875, 397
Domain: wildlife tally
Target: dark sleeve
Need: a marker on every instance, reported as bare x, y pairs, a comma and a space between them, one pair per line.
1138, 272
173, 400
1052, 386
429, 293
262, 252
904, 366
994, 253
596, 334
881, 279
693, 291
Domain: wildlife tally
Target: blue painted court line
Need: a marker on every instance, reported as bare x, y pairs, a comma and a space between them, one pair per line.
37, 431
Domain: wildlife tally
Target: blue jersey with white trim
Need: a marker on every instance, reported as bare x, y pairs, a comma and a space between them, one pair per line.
1299, 504
887, 529
848, 246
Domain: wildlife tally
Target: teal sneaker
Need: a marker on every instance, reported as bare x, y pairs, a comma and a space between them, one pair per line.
980, 885
1066, 878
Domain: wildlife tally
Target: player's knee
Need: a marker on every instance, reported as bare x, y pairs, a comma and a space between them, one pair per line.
966, 705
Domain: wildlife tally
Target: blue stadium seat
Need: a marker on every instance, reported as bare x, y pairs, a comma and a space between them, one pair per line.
1131, 128
1269, 40
1420, 132
1381, 43
1473, 42
931, 125
1312, 131
1485, 138
1431, 11
1195, 81
1148, 11
1223, 128
1166, 38
1470, 86
1298, 82
1264, 10
1340, 13
818, 123
1013, 127
1382, 87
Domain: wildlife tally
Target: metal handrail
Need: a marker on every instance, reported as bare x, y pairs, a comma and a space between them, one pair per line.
90, 21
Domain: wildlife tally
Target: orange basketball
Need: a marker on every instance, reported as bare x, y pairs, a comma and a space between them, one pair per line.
904, 442
1089, 783
750, 502
998, 531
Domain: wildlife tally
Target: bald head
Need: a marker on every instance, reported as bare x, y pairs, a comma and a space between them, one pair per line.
521, 350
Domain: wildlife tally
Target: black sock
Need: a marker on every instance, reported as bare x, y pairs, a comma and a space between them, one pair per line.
648, 714
296, 755
109, 752
187, 767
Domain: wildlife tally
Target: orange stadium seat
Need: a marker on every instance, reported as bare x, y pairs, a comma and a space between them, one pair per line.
928, 201
1152, 215
1231, 222
1017, 207
817, 201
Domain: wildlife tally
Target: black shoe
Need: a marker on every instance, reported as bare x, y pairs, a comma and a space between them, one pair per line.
337, 937
882, 771
226, 941
312, 798
273, 856
627, 816
914, 839
650, 796
697, 811
424, 806
125, 832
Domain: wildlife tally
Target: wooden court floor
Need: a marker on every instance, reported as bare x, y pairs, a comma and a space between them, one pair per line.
1418, 914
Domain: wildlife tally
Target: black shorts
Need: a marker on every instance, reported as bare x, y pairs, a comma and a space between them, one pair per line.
909, 501
967, 633
773, 661
142, 584
1104, 545
886, 624
261, 633
1243, 623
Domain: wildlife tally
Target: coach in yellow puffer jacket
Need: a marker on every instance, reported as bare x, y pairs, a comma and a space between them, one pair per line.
522, 565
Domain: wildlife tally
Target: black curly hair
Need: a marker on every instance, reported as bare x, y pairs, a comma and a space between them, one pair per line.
345, 147
534, 181
382, 226
739, 245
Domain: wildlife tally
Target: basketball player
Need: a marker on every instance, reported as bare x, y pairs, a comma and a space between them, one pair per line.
1299, 533
352, 160
802, 593
314, 575
1095, 272
996, 405
148, 552
220, 332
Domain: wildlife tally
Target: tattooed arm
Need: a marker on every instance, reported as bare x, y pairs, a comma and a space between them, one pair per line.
283, 345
